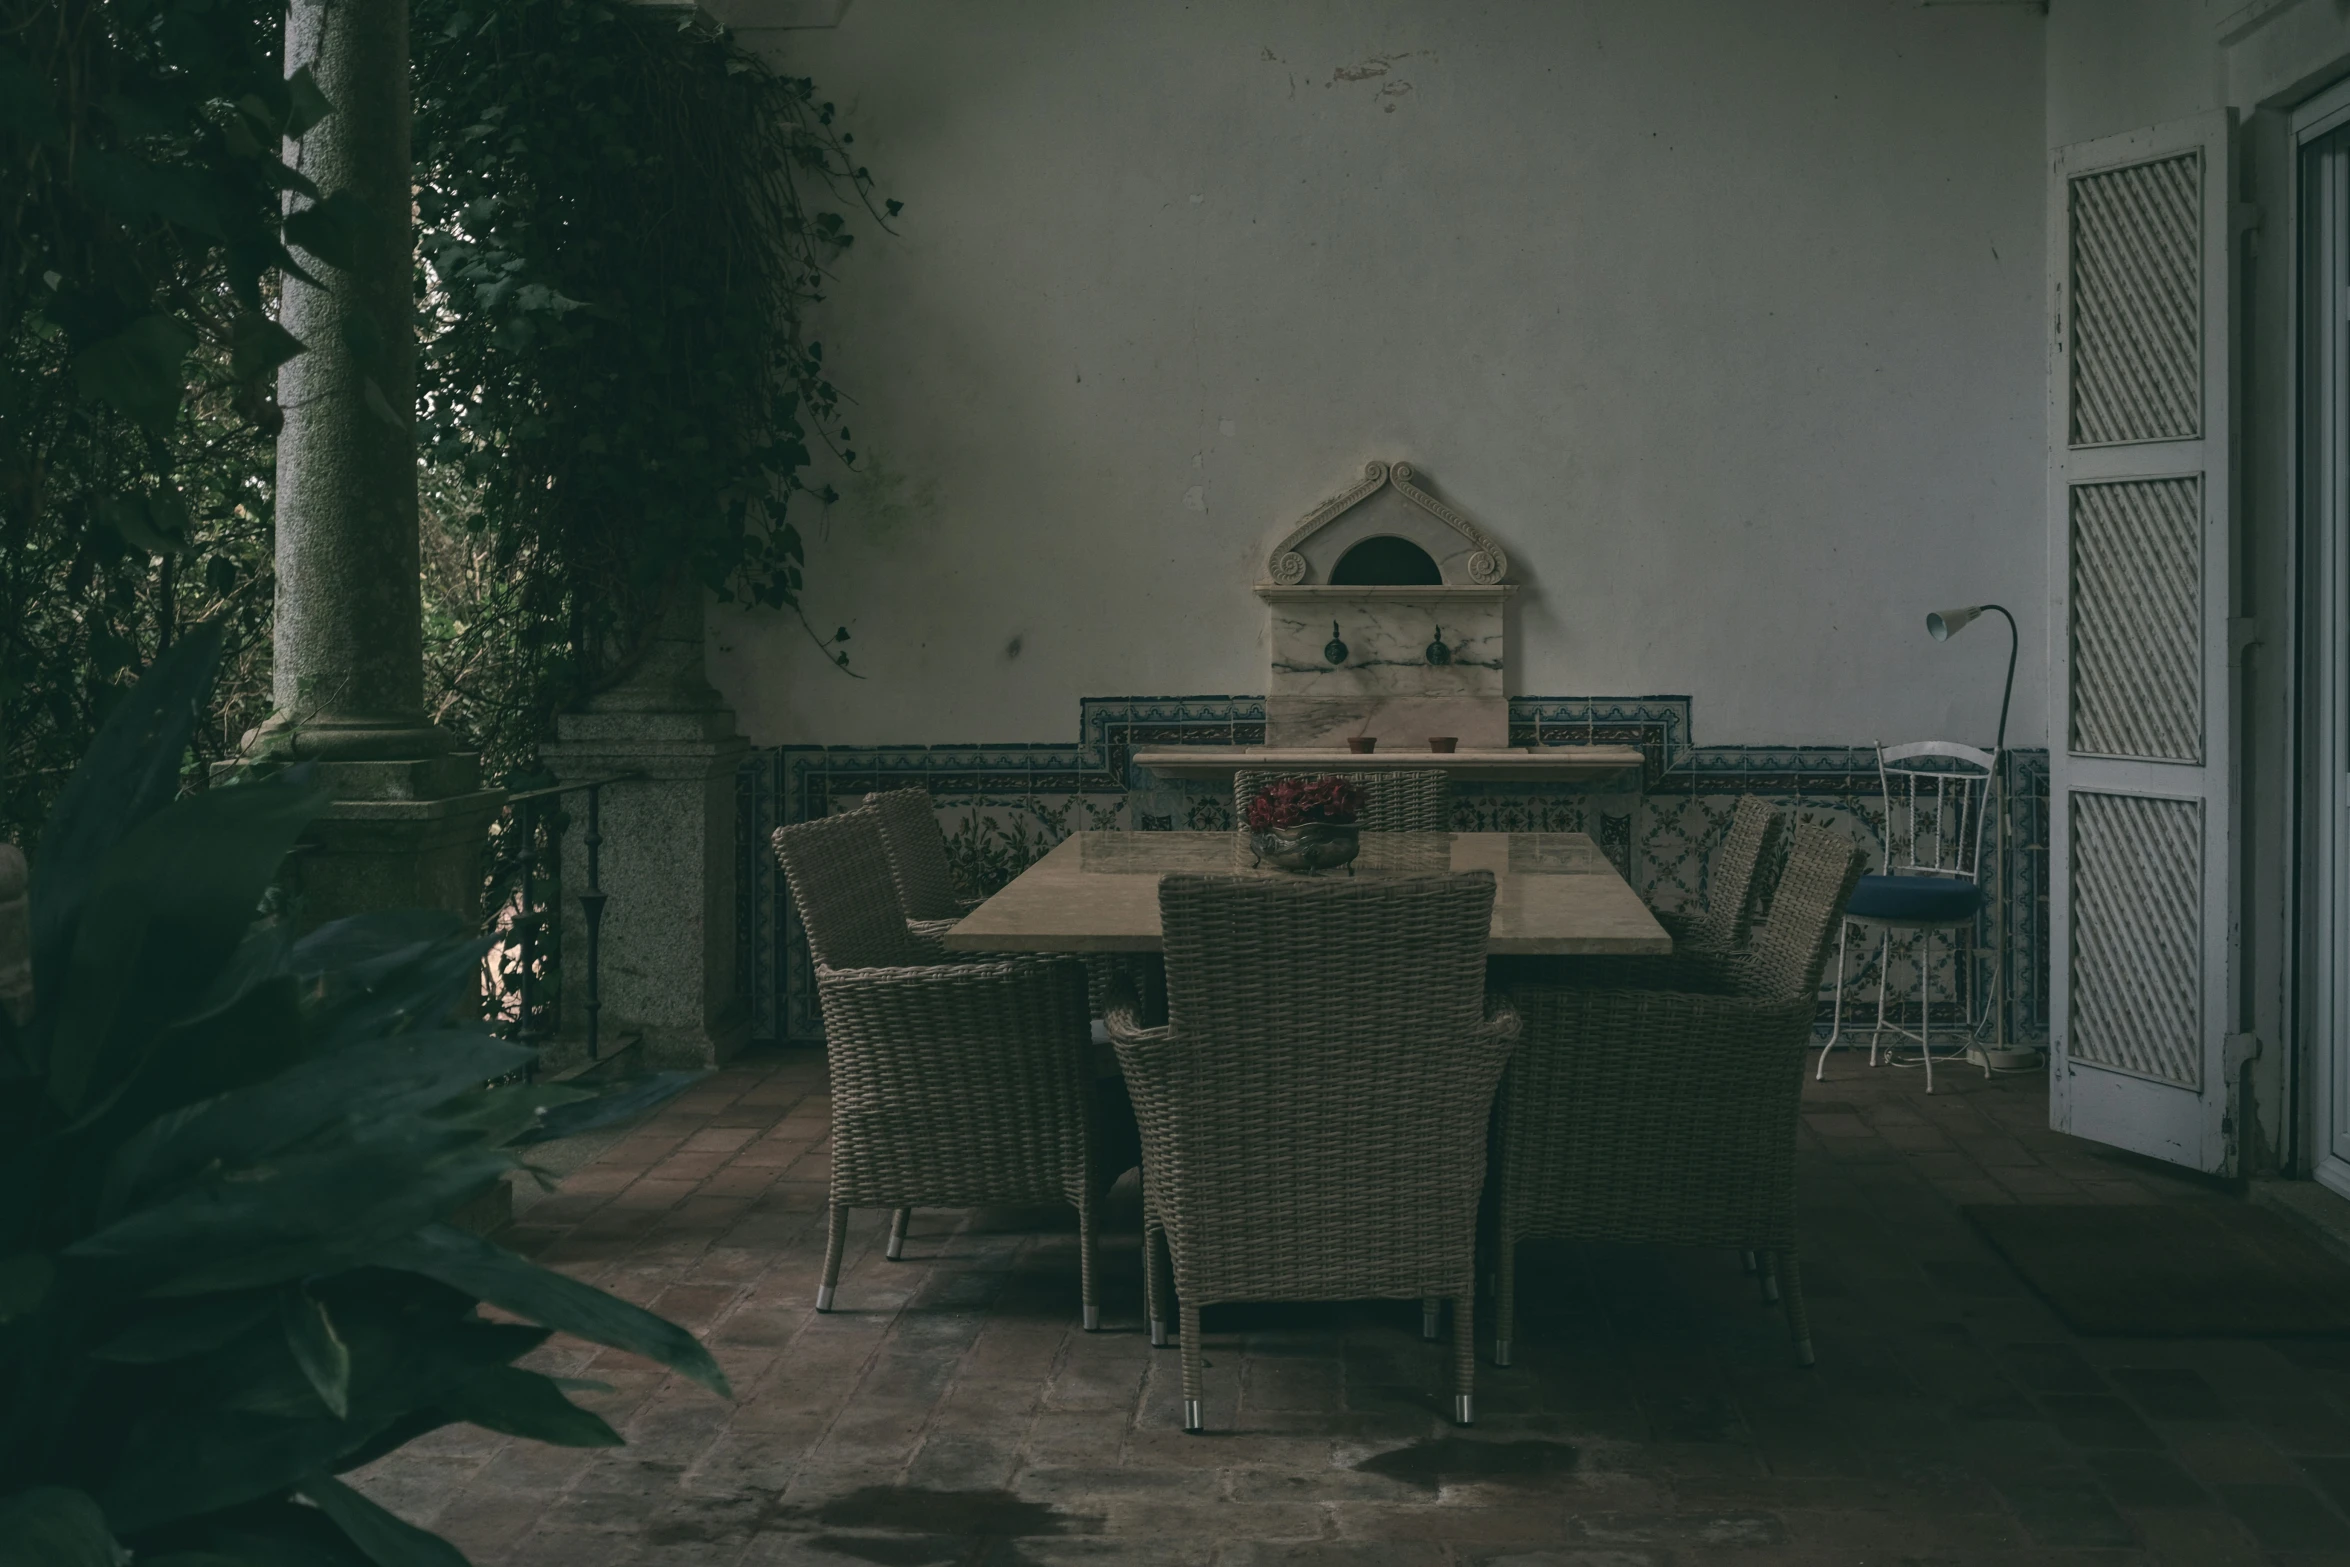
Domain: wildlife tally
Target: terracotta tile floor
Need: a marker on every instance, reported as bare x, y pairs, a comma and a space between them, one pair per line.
951, 1411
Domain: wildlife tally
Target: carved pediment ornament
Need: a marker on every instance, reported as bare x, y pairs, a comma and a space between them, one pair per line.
1487, 563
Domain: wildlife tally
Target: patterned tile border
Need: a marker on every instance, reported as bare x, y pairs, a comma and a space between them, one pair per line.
1001, 806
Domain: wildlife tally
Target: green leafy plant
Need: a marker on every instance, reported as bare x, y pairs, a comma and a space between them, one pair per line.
624, 225
225, 1275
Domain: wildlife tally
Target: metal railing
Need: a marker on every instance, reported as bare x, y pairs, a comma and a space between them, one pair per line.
524, 896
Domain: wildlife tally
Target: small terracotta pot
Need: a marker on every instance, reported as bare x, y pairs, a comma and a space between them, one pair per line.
1362, 745
1443, 742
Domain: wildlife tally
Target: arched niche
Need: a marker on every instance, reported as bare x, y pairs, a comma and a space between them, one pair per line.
1386, 560
1387, 502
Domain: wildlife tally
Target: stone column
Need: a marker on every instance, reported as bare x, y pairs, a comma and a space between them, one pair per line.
668, 854
409, 816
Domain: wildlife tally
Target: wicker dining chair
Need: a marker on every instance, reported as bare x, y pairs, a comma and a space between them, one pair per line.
954, 1084
1314, 1111
1668, 1117
1732, 884
1408, 800
918, 864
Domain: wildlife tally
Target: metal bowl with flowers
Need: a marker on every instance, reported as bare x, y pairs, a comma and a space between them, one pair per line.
1306, 824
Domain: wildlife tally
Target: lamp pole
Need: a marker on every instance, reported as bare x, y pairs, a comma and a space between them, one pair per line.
1940, 625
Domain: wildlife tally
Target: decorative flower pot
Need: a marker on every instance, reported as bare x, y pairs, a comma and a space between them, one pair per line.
1308, 847
1443, 743
1362, 745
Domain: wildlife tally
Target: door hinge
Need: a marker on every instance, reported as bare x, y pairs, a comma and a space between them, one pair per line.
2235, 1050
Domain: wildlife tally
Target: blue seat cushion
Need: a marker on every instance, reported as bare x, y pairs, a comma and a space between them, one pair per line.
1915, 900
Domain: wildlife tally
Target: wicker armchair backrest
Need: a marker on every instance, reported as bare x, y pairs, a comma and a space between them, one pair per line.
917, 855
1313, 1116
838, 870
1823, 866
1730, 883
1324, 958
1417, 800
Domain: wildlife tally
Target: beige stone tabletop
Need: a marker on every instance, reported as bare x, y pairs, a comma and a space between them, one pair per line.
1099, 891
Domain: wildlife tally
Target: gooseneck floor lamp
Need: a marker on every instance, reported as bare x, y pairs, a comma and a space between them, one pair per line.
1942, 625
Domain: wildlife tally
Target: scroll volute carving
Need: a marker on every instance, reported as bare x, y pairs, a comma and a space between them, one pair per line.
1486, 564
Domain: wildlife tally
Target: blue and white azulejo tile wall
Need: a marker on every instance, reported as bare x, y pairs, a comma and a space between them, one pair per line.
1002, 806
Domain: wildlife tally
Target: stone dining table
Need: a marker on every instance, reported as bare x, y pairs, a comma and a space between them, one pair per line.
1554, 894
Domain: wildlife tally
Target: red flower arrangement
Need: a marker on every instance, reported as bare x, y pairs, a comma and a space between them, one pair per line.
1293, 802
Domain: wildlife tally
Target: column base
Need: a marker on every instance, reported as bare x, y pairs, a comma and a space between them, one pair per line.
407, 834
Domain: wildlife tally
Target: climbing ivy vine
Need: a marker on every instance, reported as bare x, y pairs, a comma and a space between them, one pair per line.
625, 223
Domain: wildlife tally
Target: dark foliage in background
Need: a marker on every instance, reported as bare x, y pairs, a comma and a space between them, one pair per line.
140, 185
224, 1279
625, 222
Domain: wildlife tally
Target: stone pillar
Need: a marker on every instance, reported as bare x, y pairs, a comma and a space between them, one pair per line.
409, 816
669, 973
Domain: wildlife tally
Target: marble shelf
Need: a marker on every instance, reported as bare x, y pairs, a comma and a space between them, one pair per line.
1494, 766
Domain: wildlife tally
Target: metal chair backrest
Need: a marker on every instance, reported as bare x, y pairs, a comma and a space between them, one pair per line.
1406, 800
838, 871
1823, 866
1937, 797
917, 855
1730, 876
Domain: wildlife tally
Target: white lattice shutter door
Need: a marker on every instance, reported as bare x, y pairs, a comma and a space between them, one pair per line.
2142, 741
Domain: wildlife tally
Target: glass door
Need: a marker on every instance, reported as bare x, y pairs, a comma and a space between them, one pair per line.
2322, 131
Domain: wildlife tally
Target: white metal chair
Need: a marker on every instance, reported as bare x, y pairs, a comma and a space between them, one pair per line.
1937, 798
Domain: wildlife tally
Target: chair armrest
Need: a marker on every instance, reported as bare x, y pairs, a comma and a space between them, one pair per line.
931, 936
1122, 1015
1501, 1018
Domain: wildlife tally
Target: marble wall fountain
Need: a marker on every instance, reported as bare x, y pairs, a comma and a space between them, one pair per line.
1398, 662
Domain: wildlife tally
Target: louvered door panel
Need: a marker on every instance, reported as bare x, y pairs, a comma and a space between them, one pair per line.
2142, 866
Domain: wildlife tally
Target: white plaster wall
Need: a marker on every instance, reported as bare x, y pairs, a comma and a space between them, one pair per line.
1724, 317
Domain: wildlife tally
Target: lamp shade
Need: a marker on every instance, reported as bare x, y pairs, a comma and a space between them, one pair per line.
1942, 624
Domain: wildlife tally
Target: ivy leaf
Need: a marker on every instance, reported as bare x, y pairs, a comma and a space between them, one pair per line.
138, 370
306, 104
258, 345
380, 405
335, 229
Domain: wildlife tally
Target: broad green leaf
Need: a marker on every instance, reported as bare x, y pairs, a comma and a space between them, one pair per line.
532, 1292
388, 1541
318, 1350
130, 772
252, 1039
178, 1331
625, 1100
363, 1083
181, 1463
133, 190
313, 1211
524, 1403
192, 1457
169, 907
139, 370
50, 1526
347, 945
281, 1532
24, 1283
